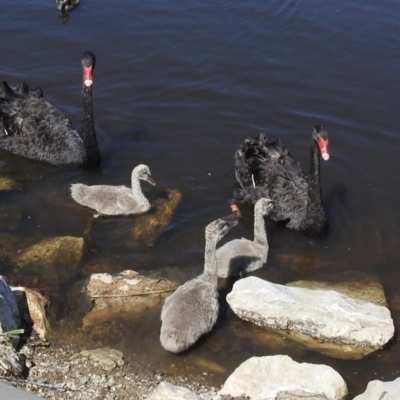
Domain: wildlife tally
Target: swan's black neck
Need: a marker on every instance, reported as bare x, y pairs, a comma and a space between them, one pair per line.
315, 222
92, 158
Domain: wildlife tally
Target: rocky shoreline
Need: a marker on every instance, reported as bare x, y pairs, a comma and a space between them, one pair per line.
66, 373
345, 320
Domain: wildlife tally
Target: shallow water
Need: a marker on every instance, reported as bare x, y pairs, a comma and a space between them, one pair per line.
179, 87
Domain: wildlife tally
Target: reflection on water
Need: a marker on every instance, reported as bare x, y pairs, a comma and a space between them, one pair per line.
179, 87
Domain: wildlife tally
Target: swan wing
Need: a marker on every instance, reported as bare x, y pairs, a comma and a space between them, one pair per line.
267, 169
125, 202
33, 128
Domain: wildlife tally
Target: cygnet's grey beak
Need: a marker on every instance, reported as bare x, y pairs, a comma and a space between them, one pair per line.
150, 180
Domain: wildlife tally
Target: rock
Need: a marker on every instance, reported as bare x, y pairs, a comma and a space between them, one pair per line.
107, 359
10, 362
278, 377
56, 250
359, 286
128, 292
378, 390
58, 256
149, 226
166, 391
320, 317
33, 309
9, 313
8, 184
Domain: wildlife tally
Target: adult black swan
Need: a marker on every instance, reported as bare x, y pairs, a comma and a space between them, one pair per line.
66, 6
31, 127
266, 169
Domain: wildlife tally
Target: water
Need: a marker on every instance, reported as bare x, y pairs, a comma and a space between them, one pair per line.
179, 86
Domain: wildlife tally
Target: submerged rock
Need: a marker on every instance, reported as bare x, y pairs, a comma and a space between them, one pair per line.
127, 292
167, 391
57, 258
149, 226
357, 285
321, 319
278, 377
60, 251
8, 184
378, 390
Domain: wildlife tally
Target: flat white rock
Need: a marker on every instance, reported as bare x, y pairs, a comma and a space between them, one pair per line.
378, 390
167, 391
323, 315
278, 377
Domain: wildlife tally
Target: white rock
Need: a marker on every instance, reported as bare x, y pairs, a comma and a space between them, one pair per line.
9, 314
278, 377
166, 391
377, 390
320, 314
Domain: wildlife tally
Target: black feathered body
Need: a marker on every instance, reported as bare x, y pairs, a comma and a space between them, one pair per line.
267, 169
31, 127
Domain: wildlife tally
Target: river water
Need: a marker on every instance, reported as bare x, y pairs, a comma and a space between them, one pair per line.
179, 86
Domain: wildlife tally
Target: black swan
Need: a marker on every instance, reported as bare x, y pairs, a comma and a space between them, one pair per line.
66, 6
192, 310
115, 200
240, 256
31, 127
266, 169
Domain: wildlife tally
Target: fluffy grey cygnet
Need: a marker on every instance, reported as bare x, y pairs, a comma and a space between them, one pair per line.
192, 310
115, 200
242, 255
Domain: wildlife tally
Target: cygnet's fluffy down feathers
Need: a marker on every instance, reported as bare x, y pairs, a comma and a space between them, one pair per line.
115, 200
239, 256
192, 310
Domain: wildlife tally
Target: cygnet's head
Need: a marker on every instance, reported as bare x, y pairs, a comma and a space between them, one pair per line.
264, 206
217, 229
143, 172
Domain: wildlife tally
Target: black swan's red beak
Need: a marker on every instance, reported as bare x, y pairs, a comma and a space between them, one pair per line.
323, 148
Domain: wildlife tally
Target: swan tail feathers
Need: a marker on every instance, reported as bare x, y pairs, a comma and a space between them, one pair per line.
22, 90
174, 340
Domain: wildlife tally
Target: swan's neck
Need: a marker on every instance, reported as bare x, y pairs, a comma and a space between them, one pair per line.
315, 216
260, 233
88, 131
138, 195
210, 261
